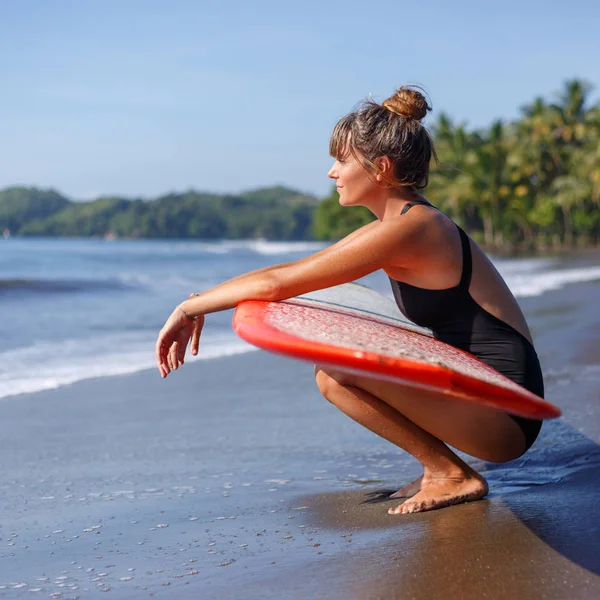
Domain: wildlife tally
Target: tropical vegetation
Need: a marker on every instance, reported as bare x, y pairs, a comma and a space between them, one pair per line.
528, 184
531, 184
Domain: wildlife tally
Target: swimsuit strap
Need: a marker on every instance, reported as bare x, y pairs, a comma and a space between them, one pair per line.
467, 268
408, 206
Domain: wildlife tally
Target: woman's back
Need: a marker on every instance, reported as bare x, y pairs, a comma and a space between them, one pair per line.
448, 277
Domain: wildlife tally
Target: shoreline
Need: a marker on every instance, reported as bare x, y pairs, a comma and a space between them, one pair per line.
499, 251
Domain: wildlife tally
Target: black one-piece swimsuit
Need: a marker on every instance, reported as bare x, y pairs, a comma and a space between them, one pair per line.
456, 319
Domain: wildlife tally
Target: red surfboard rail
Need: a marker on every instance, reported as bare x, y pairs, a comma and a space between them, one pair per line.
354, 343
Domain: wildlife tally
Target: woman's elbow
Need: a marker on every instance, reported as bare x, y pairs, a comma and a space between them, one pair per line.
281, 285
272, 288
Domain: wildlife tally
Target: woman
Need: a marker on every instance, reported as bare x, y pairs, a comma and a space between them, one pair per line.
441, 280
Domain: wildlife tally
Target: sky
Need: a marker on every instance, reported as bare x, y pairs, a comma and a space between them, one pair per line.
141, 98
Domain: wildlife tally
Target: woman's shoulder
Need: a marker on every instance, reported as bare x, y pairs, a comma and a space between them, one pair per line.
425, 220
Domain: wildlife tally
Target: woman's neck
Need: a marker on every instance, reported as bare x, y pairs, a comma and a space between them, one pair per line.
393, 203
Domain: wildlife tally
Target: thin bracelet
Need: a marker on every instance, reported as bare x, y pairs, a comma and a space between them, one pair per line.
188, 316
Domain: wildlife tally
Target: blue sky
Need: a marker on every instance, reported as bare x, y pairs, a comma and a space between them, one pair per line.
139, 98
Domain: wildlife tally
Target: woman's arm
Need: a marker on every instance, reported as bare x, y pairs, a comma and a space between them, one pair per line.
370, 248
366, 250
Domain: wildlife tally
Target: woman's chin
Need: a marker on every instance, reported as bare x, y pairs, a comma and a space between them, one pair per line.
348, 204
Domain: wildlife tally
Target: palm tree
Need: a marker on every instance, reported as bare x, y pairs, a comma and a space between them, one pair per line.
450, 187
486, 171
537, 154
572, 112
569, 191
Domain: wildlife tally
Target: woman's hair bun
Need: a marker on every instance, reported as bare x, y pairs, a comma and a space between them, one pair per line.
408, 102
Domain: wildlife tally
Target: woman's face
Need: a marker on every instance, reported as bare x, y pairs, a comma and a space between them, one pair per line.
352, 181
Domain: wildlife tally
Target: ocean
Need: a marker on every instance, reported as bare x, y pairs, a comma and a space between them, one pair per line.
86, 308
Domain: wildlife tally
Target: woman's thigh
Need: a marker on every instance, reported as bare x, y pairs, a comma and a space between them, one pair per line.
477, 430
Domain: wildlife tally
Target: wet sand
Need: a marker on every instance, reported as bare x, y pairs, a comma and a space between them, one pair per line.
233, 478
537, 543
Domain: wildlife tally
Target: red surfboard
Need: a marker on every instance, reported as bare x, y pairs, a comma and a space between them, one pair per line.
358, 330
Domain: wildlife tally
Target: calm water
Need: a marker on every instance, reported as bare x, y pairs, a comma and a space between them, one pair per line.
76, 309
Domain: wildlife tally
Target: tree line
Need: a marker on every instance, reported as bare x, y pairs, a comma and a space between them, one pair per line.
528, 184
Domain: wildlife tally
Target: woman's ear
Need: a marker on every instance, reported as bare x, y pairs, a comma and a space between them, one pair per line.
384, 169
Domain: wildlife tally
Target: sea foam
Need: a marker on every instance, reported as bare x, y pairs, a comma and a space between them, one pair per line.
46, 365
527, 284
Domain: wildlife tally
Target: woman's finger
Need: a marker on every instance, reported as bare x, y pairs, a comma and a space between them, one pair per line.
196, 336
181, 352
161, 356
173, 360
168, 358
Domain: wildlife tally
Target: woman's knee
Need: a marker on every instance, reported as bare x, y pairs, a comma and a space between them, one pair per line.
329, 381
324, 381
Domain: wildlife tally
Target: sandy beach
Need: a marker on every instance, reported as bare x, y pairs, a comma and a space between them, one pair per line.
186, 488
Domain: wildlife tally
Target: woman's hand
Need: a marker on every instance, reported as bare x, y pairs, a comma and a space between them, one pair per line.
173, 339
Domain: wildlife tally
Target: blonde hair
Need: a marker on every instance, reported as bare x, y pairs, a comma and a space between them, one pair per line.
393, 129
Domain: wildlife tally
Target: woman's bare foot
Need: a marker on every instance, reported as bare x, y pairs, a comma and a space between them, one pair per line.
436, 492
409, 490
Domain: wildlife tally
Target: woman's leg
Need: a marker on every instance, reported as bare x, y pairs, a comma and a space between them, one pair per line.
420, 423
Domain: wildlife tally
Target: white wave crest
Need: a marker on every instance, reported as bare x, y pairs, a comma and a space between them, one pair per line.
527, 284
40, 367
270, 248
265, 247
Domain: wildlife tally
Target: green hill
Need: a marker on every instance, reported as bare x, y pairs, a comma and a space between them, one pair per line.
20, 205
270, 213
